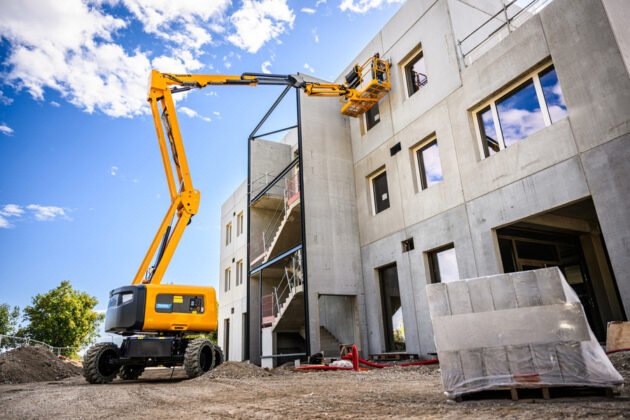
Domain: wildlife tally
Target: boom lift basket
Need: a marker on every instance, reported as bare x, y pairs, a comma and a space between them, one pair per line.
365, 97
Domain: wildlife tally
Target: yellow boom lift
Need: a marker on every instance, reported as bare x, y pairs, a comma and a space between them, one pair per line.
161, 323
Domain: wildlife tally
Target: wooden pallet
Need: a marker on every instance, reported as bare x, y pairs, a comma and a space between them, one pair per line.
393, 356
517, 393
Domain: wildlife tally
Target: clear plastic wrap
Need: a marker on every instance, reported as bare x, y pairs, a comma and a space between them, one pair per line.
525, 329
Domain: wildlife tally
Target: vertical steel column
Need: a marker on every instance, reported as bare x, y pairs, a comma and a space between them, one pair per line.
247, 255
307, 329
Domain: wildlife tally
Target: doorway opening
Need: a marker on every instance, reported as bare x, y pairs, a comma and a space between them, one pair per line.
393, 325
226, 339
568, 238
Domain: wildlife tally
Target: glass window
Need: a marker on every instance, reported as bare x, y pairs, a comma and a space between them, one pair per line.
372, 116
416, 74
239, 224
443, 265
520, 114
380, 191
429, 165
228, 234
530, 106
239, 273
553, 94
488, 132
228, 275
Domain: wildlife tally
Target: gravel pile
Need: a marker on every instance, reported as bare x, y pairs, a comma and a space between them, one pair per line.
34, 364
234, 370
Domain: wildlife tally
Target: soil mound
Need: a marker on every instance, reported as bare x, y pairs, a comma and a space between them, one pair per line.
235, 370
34, 364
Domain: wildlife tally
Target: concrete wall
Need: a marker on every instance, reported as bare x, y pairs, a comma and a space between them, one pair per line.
584, 155
233, 303
269, 158
330, 210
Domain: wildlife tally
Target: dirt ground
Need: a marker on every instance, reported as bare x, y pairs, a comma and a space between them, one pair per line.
34, 364
237, 391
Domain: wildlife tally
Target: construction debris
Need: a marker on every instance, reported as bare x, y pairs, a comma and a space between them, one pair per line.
34, 364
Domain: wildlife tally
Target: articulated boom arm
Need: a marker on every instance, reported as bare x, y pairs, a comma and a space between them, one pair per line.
184, 197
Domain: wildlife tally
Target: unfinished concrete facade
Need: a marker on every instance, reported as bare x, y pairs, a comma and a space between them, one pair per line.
505, 157
233, 319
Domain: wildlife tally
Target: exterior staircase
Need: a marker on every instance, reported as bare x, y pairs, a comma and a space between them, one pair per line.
288, 296
328, 343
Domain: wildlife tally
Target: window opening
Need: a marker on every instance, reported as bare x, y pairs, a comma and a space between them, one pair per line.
429, 165
380, 192
416, 73
443, 265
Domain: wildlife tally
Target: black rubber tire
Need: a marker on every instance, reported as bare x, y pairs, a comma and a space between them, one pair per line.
218, 355
130, 373
199, 357
96, 366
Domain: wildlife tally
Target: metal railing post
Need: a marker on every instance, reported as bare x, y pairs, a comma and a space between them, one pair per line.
507, 18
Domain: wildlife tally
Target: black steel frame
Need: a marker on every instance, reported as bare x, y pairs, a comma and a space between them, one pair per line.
252, 200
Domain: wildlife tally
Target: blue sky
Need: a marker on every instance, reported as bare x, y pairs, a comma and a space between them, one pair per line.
82, 188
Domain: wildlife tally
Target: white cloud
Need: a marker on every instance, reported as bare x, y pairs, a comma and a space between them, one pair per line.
308, 10
69, 46
315, 35
183, 22
309, 68
4, 223
265, 67
55, 104
216, 113
191, 113
519, 123
113, 170
66, 46
6, 130
46, 213
320, 2
259, 21
11, 210
182, 63
363, 6
4, 99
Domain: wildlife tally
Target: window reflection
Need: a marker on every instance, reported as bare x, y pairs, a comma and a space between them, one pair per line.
553, 94
488, 132
430, 165
519, 114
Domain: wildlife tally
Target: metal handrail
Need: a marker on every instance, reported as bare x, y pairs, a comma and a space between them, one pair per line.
289, 281
28, 342
533, 7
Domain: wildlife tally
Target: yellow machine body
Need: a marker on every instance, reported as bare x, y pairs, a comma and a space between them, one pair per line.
173, 307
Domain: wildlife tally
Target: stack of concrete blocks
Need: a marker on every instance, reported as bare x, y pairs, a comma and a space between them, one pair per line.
525, 329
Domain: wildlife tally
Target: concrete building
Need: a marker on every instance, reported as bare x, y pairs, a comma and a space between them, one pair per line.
232, 290
501, 147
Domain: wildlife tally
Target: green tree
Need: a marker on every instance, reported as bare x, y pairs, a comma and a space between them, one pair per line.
8, 319
63, 317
